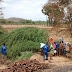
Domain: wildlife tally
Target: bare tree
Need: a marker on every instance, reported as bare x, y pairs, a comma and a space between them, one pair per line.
1, 10
55, 9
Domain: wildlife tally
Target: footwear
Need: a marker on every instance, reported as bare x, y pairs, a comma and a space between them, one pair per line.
46, 59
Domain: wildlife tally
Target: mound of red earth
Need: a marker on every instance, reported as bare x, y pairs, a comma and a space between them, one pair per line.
26, 66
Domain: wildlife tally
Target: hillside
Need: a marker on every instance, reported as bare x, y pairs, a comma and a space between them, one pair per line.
15, 19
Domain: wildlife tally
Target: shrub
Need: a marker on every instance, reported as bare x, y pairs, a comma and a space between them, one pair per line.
24, 55
23, 39
1, 30
3, 21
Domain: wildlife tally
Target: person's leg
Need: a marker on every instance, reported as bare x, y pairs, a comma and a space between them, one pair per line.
44, 56
63, 51
51, 57
59, 52
4, 56
2, 59
56, 51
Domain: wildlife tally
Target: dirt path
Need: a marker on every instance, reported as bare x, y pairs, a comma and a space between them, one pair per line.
3, 66
13, 27
59, 64
59, 61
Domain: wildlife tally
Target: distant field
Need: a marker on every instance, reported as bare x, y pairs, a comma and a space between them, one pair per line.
12, 27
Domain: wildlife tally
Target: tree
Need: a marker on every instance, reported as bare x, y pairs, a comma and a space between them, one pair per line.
1, 10
55, 9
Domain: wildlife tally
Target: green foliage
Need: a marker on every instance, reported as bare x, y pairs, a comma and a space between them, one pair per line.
23, 39
27, 21
57, 41
24, 55
3, 21
22, 22
1, 30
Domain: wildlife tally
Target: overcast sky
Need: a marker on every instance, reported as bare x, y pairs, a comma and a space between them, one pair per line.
27, 9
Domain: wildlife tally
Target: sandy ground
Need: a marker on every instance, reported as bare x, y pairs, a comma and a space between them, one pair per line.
12, 27
3, 66
59, 61
58, 64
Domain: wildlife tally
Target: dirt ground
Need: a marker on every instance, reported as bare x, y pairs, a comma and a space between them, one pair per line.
57, 60
58, 64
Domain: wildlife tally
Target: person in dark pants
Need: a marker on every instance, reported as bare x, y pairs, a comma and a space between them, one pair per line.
3, 51
64, 48
60, 48
45, 52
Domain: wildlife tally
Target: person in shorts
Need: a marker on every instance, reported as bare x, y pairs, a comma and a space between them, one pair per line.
57, 48
3, 51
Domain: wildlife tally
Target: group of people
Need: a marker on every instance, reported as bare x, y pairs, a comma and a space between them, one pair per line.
55, 48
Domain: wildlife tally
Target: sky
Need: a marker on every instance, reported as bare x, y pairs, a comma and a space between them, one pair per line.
26, 9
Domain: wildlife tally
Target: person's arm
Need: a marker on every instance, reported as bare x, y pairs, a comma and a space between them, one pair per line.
6, 47
47, 48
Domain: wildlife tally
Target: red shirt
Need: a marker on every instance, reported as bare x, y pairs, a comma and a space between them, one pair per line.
70, 48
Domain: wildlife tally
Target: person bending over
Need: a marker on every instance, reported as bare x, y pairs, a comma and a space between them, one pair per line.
45, 52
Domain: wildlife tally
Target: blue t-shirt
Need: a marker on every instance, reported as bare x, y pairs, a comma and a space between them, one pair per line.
3, 49
57, 45
45, 49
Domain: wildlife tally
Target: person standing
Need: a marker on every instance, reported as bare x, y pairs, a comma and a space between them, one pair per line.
64, 48
57, 48
70, 47
54, 46
51, 51
61, 39
61, 48
3, 51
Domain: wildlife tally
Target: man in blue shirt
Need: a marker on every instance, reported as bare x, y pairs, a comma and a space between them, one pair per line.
45, 52
3, 51
57, 48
